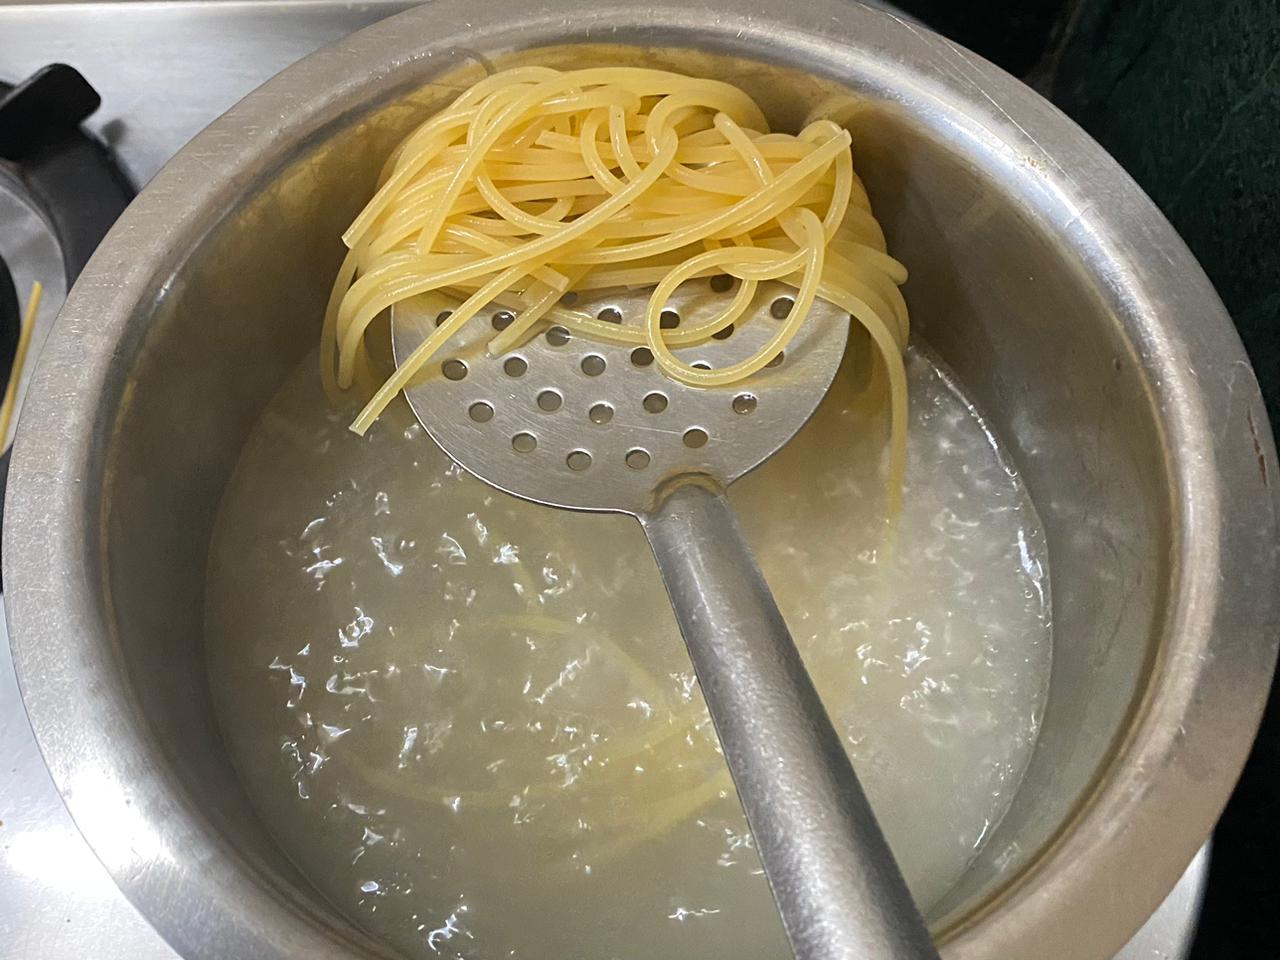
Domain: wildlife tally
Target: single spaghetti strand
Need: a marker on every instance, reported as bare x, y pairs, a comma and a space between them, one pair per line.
811, 255
19, 361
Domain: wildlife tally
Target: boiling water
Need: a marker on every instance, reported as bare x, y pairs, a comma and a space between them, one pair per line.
472, 723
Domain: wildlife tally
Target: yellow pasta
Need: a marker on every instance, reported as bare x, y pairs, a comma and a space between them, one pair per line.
538, 182
19, 362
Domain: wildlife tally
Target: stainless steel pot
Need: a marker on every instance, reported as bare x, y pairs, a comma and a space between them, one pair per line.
1051, 284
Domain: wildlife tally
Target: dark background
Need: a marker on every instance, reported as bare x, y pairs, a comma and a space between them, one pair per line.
1186, 95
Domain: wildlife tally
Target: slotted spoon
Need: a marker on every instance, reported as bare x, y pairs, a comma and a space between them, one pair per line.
585, 425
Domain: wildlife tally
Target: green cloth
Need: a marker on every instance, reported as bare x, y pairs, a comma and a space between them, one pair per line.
1186, 95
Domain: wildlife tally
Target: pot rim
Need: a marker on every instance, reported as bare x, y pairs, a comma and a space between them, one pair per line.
1166, 782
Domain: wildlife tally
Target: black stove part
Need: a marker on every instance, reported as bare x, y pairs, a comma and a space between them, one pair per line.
72, 176
42, 108
10, 322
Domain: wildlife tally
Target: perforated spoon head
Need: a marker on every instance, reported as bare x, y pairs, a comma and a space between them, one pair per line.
587, 425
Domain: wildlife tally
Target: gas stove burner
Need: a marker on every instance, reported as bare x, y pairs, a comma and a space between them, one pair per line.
30, 252
60, 191
70, 175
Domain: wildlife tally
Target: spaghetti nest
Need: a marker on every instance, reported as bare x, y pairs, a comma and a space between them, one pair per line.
537, 182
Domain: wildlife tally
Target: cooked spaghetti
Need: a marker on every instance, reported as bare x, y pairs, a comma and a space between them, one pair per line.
537, 183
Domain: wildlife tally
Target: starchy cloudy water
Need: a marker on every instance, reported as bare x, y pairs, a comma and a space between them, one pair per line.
472, 723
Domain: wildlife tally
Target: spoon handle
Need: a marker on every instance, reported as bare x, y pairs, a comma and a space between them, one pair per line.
835, 881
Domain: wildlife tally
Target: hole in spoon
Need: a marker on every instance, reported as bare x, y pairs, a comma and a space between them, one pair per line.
695, 437
655, 402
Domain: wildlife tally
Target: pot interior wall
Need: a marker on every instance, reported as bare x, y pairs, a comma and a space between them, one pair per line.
994, 288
